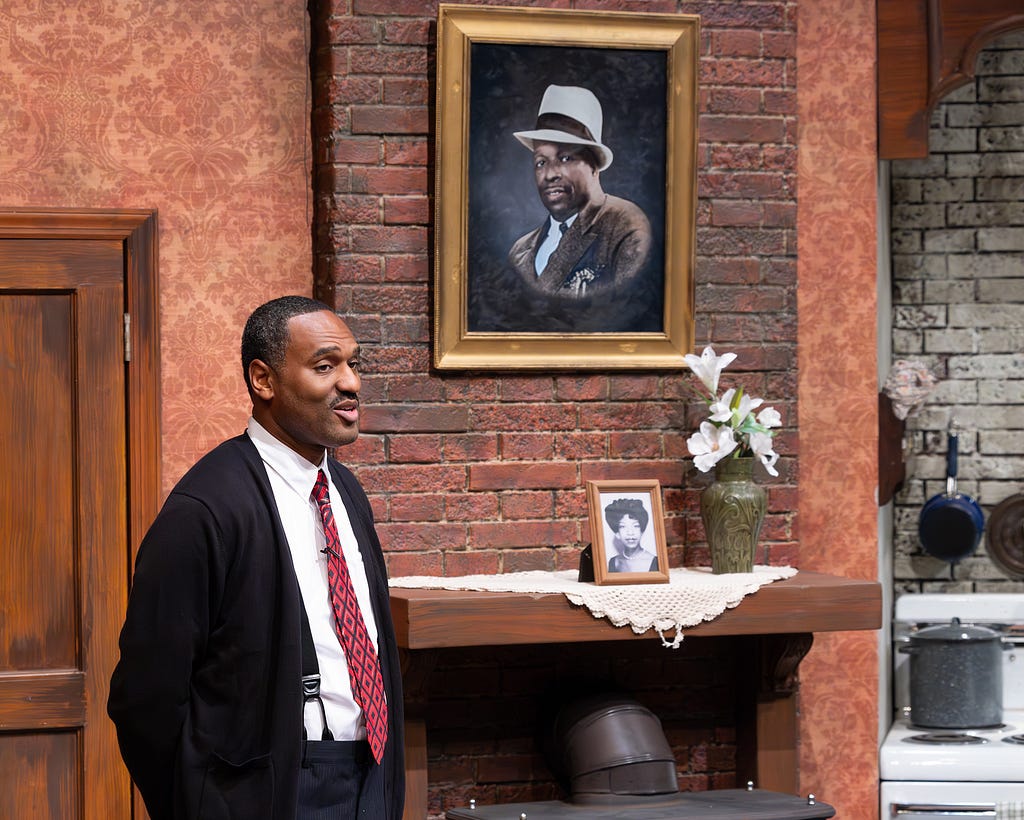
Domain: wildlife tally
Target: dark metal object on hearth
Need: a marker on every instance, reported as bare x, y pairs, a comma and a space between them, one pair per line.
607, 744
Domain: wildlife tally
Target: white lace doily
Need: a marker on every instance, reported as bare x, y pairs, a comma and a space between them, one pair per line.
690, 597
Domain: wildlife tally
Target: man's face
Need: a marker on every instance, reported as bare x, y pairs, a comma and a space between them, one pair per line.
629, 532
564, 178
314, 401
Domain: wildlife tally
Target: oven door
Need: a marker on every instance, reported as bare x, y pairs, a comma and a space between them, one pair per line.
925, 800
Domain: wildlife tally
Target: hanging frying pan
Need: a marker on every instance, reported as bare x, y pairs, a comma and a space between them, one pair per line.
1004, 539
951, 523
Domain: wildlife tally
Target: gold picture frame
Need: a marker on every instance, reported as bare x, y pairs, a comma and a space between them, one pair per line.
494, 67
627, 532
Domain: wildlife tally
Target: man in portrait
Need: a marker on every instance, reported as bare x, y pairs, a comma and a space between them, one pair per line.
588, 266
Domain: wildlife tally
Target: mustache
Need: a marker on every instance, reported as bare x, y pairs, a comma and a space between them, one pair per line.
346, 398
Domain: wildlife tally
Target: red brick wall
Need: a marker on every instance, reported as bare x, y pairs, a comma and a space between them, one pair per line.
486, 473
472, 472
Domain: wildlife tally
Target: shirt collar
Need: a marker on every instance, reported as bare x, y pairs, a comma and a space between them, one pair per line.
554, 223
294, 470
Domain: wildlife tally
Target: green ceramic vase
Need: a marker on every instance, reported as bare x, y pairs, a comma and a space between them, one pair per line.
733, 508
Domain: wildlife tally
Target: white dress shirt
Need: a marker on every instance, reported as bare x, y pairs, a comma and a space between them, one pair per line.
547, 247
292, 478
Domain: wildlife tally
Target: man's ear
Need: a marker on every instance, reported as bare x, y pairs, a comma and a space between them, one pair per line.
261, 379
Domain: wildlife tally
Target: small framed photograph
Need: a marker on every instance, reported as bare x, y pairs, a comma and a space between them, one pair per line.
627, 531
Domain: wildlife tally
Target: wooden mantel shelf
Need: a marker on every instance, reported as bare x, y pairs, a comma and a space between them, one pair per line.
806, 603
779, 620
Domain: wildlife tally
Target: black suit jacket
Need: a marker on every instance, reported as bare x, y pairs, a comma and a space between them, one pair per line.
206, 695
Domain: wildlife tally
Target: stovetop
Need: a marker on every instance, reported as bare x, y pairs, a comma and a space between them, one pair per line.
969, 754
987, 756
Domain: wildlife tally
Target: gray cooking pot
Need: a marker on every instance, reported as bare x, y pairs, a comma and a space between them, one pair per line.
956, 676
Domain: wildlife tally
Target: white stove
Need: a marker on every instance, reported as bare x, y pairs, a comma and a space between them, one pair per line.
973, 772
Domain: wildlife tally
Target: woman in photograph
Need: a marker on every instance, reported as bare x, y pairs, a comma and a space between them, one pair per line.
628, 520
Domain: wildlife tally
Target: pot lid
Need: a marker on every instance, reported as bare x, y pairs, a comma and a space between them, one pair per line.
955, 631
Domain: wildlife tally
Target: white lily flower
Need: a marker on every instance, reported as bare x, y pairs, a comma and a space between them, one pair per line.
734, 424
769, 417
721, 409
761, 444
709, 445
745, 407
708, 367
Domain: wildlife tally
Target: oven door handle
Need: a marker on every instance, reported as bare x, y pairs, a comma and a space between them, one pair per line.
943, 809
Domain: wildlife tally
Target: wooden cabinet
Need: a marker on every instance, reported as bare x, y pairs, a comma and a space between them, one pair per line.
926, 49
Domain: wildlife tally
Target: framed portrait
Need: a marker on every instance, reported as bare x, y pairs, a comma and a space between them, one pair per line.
566, 189
627, 532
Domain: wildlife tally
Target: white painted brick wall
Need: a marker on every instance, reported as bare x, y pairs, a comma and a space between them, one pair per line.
958, 304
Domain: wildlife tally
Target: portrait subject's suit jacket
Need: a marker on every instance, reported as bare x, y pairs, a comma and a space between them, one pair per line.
207, 694
602, 253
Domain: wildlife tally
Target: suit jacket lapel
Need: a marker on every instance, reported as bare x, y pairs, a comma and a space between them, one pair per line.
574, 245
526, 258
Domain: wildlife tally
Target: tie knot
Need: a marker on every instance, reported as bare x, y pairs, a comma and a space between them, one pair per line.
563, 227
319, 488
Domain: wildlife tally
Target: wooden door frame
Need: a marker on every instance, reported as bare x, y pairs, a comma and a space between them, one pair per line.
137, 229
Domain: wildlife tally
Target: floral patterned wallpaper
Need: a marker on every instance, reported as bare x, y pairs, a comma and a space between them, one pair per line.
198, 110
837, 270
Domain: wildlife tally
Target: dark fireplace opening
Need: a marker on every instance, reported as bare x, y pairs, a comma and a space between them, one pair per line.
488, 713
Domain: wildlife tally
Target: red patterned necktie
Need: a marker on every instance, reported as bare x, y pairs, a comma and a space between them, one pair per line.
363, 667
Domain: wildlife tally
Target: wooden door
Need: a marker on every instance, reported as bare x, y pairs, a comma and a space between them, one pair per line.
64, 529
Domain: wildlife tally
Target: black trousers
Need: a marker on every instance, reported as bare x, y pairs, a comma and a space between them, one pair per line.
340, 780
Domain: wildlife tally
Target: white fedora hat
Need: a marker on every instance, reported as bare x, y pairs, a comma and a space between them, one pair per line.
569, 114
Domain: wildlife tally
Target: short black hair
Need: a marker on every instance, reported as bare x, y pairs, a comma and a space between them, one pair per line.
633, 507
266, 336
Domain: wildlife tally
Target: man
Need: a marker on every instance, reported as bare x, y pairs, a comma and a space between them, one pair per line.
214, 696
591, 257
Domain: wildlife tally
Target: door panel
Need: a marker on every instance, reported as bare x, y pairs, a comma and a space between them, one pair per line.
63, 504
46, 767
38, 329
